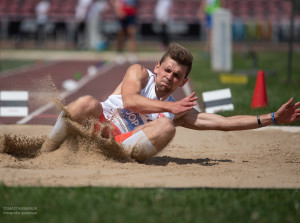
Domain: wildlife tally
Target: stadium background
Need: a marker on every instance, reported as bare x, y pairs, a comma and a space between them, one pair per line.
262, 23
253, 20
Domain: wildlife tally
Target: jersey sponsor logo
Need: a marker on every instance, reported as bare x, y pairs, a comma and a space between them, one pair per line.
131, 119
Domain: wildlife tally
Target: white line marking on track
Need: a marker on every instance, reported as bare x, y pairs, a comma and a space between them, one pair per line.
187, 90
65, 94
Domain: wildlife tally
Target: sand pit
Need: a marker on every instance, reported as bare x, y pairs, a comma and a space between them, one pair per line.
265, 158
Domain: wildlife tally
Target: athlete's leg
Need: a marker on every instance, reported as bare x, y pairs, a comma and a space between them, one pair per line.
131, 33
120, 41
208, 30
80, 110
160, 132
149, 139
120, 58
83, 108
121, 35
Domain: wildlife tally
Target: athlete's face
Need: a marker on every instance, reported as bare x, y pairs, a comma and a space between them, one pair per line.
169, 76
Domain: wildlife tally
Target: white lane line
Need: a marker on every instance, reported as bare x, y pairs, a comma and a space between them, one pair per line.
65, 94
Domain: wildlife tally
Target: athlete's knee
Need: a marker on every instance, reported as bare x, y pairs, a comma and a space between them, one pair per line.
150, 140
85, 106
167, 127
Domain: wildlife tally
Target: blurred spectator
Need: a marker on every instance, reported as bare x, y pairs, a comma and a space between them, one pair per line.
80, 22
206, 9
162, 15
41, 11
126, 11
13, 26
94, 24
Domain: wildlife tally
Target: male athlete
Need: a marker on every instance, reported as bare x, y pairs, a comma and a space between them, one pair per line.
144, 114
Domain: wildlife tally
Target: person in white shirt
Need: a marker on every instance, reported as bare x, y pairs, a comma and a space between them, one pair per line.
95, 38
163, 15
41, 11
80, 22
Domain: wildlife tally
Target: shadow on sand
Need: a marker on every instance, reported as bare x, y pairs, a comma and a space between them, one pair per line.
165, 160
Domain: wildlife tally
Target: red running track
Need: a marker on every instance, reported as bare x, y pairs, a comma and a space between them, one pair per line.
100, 86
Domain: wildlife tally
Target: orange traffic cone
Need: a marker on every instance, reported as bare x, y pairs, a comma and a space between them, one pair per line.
260, 99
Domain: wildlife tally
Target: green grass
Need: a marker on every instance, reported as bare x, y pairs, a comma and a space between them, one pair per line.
90, 204
94, 204
6, 64
279, 90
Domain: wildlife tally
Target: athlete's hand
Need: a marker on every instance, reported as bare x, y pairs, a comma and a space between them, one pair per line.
184, 105
288, 112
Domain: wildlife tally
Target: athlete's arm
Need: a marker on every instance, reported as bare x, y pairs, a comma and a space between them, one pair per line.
287, 113
134, 81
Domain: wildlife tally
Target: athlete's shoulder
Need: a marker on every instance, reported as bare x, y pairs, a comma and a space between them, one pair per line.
137, 67
139, 70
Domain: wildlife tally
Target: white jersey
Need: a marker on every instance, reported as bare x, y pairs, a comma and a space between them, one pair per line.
127, 121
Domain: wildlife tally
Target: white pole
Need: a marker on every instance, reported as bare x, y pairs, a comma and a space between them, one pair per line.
221, 41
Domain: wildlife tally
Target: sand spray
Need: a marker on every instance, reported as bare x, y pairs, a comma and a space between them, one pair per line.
79, 137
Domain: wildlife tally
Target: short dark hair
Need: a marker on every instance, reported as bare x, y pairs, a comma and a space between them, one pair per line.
180, 54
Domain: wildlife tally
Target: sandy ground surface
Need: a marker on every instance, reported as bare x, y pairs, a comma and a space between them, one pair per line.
265, 158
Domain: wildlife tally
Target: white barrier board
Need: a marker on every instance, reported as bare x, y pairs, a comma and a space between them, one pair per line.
219, 100
13, 103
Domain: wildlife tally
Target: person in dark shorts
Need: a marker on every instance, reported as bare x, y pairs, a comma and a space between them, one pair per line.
126, 11
205, 12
